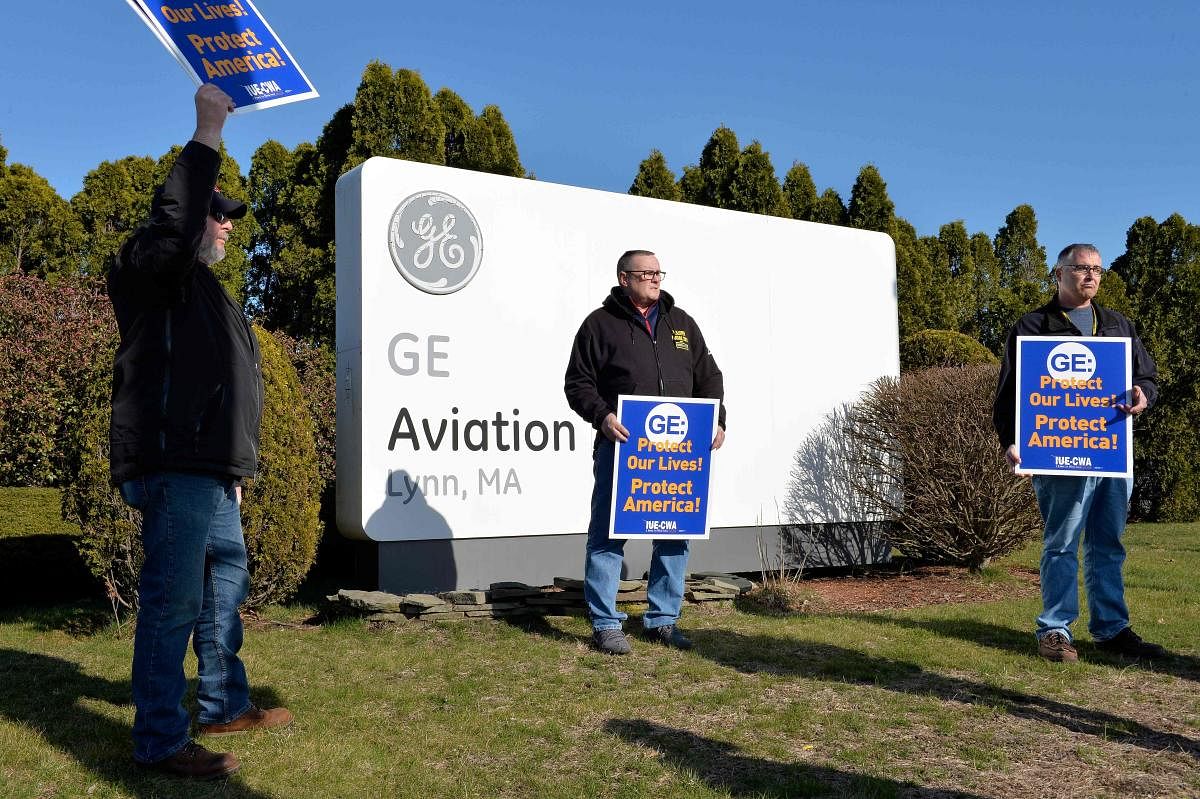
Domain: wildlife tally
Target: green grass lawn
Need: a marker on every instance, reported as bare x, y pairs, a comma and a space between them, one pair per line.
945, 701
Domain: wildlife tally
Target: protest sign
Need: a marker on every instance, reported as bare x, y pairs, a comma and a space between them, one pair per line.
661, 475
1068, 388
231, 45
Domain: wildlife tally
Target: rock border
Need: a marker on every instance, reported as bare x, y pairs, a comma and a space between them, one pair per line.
504, 599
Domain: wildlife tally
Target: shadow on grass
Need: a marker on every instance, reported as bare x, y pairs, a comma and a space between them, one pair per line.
537, 624
1023, 643
783, 656
47, 695
724, 768
79, 620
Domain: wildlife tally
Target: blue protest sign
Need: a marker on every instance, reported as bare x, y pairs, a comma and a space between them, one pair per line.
1068, 388
661, 474
229, 44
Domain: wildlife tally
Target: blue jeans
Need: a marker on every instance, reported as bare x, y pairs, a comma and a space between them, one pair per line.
1069, 506
602, 566
192, 583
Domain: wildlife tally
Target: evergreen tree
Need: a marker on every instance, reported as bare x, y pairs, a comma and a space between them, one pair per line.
718, 165
1023, 267
870, 206
114, 200
829, 209
989, 323
655, 179
691, 185
1160, 270
914, 275
458, 119
395, 116
800, 192
39, 233
939, 292
755, 188
960, 262
502, 157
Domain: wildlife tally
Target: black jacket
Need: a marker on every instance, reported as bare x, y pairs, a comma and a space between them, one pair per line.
614, 354
187, 385
1051, 320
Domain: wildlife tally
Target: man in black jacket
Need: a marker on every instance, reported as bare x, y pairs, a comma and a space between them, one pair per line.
187, 399
638, 342
1072, 504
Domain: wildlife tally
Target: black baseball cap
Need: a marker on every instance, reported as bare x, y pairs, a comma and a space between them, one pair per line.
233, 209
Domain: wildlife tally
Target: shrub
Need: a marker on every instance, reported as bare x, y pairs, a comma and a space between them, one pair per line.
926, 453
282, 503
49, 335
928, 349
279, 508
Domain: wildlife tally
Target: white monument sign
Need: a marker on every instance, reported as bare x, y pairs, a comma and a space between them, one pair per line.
459, 294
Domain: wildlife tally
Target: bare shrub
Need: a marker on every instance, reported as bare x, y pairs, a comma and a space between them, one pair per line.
926, 454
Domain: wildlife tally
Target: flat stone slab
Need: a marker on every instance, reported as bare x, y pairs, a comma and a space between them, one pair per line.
464, 597
630, 585
389, 618
569, 583
371, 601
422, 601
740, 583
443, 615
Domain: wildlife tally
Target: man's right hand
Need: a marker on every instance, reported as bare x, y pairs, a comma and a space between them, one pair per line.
614, 430
212, 107
1010, 454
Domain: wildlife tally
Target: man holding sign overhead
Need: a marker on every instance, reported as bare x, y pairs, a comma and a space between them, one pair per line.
187, 399
637, 343
1075, 505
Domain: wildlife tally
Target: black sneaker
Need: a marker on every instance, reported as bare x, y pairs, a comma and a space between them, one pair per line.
1130, 644
669, 635
612, 642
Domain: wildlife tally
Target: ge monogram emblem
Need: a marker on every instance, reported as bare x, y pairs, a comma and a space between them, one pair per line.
435, 242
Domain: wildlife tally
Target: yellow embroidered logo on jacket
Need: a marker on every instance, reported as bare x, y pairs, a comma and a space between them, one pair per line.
681, 340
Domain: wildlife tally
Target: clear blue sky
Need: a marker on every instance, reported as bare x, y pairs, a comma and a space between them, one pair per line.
1087, 111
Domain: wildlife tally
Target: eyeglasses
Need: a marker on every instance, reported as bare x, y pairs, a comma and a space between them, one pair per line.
646, 275
1083, 269
218, 216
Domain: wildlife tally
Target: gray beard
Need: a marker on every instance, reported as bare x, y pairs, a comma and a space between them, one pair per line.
210, 252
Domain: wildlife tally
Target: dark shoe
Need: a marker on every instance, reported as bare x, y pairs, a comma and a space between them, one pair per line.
669, 635
1130, 644
612, 642
195, 762
1057, 647
253, 719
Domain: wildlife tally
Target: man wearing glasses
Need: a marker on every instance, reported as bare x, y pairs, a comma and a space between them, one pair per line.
187, 398
1071, 505
637, 342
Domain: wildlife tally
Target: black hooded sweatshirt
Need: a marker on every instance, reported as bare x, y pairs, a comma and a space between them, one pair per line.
615, 354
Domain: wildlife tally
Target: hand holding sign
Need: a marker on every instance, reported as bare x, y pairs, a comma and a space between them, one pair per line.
213, 106
1138, 405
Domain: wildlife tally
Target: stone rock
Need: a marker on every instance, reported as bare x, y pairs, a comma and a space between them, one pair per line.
740, 583
569, 582
550, 600
442, 615
514, 593
464, 597
630, 585
512, 585
632, 596
425, 601
389, 618
370, 601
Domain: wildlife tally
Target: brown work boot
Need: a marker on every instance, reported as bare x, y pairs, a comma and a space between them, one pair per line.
1057, 647
195, 762
253, 719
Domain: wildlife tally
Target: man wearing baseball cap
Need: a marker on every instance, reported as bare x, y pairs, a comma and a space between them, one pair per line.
187, 399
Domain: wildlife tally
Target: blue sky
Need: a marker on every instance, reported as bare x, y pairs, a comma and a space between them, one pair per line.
1087, 111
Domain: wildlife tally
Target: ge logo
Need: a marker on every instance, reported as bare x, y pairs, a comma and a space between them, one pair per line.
1071, 361
666, 424
435, 242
